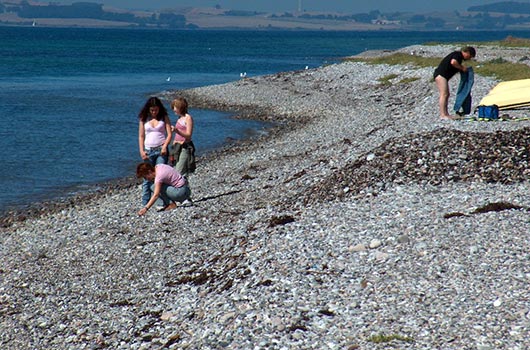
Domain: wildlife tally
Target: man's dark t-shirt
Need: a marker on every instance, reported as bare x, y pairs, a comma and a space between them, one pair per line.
445, 68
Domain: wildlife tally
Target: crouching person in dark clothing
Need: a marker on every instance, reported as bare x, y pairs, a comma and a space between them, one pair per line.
169, 187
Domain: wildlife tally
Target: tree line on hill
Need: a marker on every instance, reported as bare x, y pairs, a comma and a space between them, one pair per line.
94, 11
491, 16
479, 20
503, 7
477, 17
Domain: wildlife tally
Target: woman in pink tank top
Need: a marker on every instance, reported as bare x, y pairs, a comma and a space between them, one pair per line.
154, 136
183, 153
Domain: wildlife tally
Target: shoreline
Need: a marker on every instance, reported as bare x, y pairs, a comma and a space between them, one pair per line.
362, 214
93, 191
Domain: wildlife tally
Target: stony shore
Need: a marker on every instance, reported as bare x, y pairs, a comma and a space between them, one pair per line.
361, 221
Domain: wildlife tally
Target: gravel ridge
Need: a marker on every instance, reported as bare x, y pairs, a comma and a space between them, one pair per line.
361, 221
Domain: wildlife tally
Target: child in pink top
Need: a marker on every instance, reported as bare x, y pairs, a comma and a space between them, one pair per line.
165, 174
168, 187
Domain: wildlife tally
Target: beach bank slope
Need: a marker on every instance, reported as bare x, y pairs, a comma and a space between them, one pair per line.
362, 214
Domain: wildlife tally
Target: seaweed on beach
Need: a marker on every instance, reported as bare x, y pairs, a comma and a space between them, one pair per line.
435, 158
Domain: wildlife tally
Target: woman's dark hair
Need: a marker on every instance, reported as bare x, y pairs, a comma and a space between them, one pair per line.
153, 102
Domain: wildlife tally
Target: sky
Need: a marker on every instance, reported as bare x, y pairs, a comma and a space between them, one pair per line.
349, 6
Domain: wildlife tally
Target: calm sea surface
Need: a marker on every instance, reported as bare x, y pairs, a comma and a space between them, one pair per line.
70, 97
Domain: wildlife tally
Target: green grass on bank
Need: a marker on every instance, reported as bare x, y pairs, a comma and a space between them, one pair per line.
498, 68
382, 338
387, 79
510, 41
503, 70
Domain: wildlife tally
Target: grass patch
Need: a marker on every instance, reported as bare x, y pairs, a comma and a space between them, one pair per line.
498, 68
510, 41
503, 70
408, 80
381, 338
387, 79
400, 58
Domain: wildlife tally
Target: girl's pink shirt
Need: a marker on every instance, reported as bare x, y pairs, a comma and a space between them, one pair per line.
155, 137
165, 174
181, 127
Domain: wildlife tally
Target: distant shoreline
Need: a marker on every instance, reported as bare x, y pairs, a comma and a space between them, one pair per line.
274, 29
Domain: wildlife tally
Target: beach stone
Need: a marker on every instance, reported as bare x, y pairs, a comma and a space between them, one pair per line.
357, 248
380, 256
277, 323
166, 316
403, 239
375, 243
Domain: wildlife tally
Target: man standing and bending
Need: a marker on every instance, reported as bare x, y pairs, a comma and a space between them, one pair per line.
448, 67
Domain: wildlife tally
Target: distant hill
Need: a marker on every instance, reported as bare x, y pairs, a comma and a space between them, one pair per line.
49, 13
501, 15
503, 7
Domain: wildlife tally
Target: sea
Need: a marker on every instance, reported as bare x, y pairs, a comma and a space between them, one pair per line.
70, 97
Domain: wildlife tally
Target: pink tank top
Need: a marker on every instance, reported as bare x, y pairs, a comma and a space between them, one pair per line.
155, 136
181, 127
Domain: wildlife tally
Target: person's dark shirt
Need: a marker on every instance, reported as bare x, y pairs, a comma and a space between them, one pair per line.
445, 68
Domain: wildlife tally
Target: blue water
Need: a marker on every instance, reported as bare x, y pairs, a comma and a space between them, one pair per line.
70, 97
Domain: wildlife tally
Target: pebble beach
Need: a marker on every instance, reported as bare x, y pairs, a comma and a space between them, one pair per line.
361, 220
